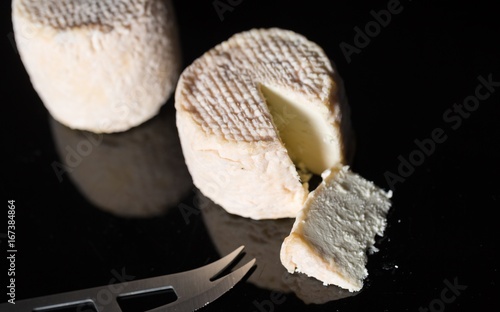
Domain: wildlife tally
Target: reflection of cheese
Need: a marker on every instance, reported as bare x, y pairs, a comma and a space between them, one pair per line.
99, 65
262, 240
137, 173
310, 290
250, 110
331, 235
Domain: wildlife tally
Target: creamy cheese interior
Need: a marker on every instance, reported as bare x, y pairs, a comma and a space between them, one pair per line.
336, 227
303, 128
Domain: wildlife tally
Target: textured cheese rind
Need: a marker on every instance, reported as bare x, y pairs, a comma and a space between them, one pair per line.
227, 131
99, 65
336, 227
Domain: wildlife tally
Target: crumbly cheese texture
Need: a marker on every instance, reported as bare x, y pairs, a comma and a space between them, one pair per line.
336, 227
99, 65
250, 110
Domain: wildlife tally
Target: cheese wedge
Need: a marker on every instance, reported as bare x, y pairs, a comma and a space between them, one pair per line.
252, 110
331, 235
262, 240
99, 65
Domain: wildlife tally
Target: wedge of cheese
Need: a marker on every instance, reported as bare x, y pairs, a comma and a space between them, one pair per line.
99, 65
253, 113
262, 240
335, 229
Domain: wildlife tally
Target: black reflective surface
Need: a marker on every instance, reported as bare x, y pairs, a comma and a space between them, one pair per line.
127, 208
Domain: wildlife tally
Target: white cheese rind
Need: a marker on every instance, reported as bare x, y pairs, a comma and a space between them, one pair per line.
230, 141
99, 65
336, 227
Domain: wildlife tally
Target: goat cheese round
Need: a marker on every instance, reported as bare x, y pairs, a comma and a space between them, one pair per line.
99, 65
254, 109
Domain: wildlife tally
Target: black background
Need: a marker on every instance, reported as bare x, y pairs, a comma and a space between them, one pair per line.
442, 225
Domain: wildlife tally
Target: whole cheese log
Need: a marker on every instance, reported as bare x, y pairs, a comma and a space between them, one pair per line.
331, 235
252, 109
99, 65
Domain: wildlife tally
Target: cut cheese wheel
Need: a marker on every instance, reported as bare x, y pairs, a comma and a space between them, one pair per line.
252, 110
331, 235
99, 65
